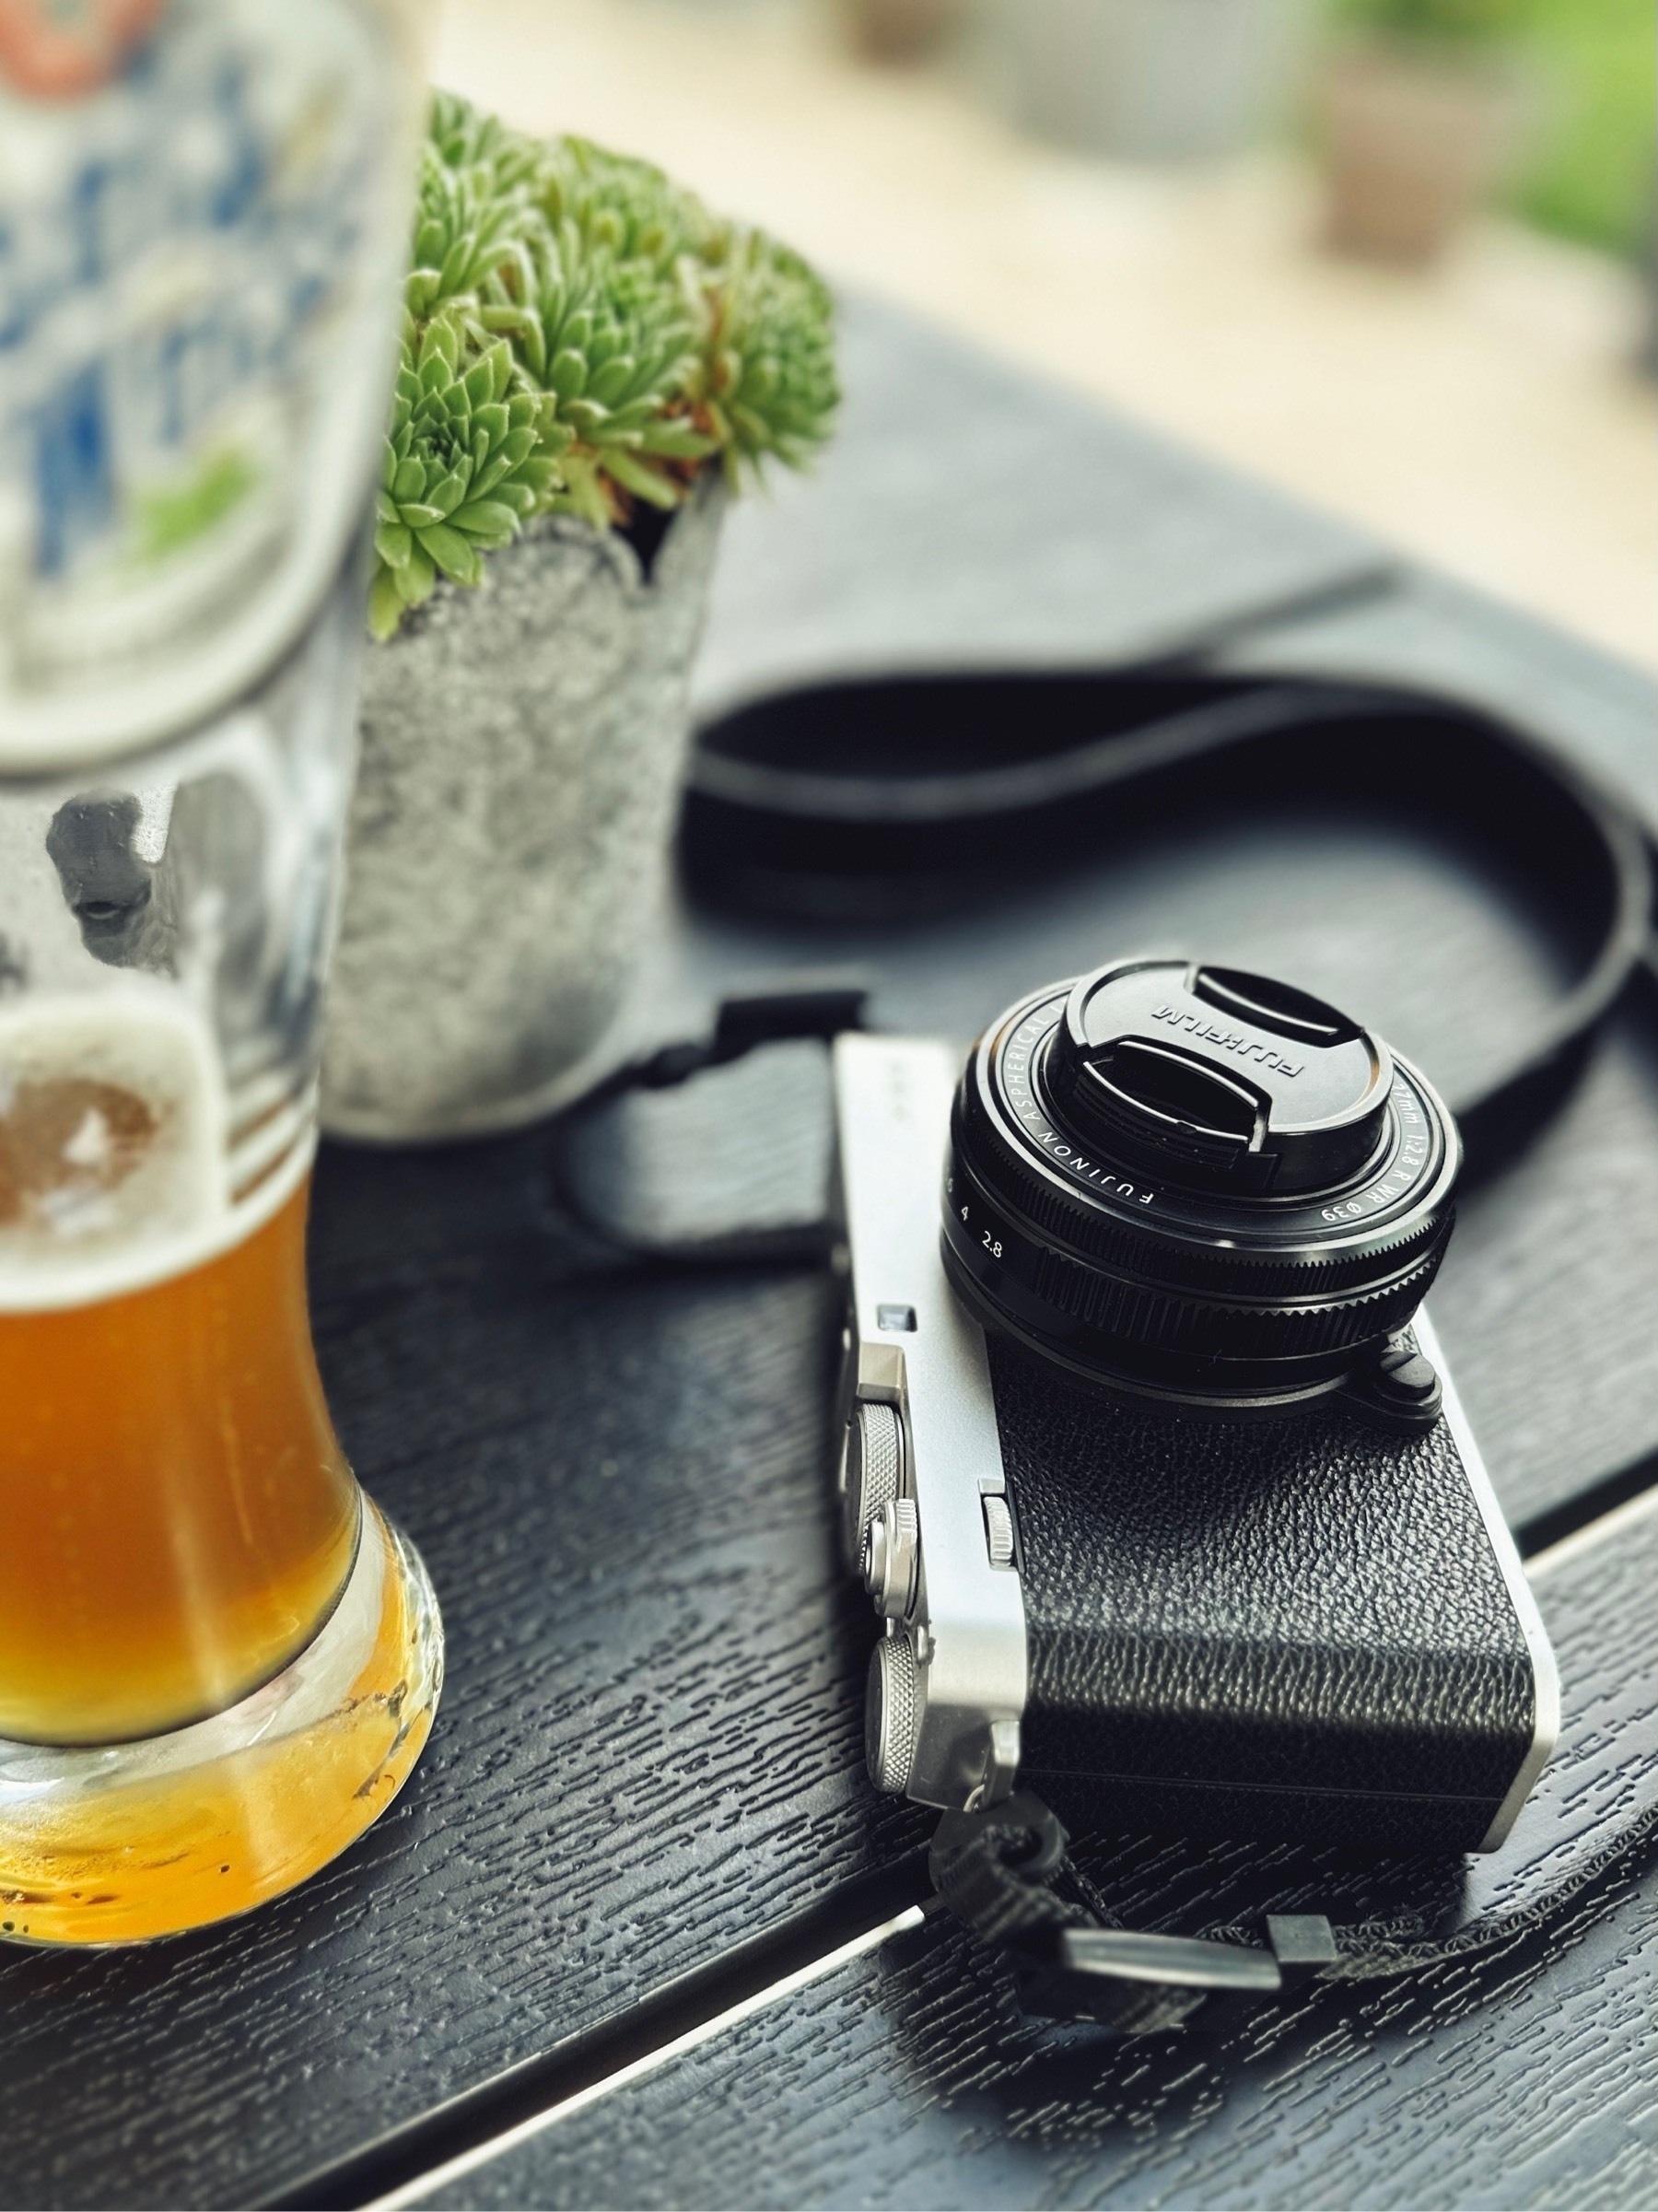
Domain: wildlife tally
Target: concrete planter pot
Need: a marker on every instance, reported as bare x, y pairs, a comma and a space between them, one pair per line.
522, 746
1410, 149
1145, 80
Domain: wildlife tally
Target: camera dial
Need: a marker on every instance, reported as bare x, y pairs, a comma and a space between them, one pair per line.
1200, 1188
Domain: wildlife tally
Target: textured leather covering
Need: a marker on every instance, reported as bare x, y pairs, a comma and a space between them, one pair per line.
1267, 1628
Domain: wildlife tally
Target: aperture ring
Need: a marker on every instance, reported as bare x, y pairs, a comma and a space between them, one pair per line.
1019, 1185
1076, 1295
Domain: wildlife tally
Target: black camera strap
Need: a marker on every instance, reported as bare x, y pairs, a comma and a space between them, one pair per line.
1007, 1874
883, 796
893, 795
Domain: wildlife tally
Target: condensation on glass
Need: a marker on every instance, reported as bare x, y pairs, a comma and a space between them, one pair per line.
217, 1661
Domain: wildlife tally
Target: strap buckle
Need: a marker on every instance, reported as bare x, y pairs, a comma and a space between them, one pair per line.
994, 1869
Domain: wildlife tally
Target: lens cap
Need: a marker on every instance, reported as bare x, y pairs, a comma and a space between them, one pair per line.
1195, 1187
1222, 1078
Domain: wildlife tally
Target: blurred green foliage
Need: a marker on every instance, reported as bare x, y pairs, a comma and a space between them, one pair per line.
1591, 174
1588, 172
1436, 22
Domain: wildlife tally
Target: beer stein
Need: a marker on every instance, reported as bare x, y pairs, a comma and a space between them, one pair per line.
218, 1661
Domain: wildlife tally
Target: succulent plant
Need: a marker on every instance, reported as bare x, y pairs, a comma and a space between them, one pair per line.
580, 334
768, 384
466, 461
629, 209
466, 232
462, 137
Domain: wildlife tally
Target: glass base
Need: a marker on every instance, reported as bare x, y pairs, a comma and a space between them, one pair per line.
123, 1843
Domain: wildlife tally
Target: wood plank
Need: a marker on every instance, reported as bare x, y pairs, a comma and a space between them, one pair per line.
1524, 2079
1548, 1306
649, 1741
968, 512
1443, 636
650, 1744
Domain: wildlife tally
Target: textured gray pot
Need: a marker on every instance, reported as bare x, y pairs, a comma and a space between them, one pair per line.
522, 746
1145, 79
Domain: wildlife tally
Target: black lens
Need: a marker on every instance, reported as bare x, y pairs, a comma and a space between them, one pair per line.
1195, 1185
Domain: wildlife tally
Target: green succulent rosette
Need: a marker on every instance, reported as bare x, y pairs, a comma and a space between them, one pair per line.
615, 355
469, 227
463, 137
628, 209
580, 335
467, 460
766, 383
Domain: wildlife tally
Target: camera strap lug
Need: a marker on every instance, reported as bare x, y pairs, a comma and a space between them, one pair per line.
1399, 1389
998, 1871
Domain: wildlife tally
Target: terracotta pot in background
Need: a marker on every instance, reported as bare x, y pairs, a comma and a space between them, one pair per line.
522, 750
895, 30
1411, 148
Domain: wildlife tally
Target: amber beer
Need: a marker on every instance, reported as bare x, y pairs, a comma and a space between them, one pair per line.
177, 1517
217, 1662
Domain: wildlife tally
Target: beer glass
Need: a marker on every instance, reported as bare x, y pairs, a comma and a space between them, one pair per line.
218, 1661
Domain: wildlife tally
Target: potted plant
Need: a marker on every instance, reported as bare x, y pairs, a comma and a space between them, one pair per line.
591, 363
895, 30
1143, 79
1416, 106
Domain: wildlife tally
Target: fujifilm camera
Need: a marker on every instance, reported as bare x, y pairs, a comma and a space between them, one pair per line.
1147, 1452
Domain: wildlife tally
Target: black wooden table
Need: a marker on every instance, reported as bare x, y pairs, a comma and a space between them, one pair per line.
614, 1899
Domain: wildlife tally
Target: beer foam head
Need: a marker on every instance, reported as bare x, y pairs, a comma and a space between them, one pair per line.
112, 1145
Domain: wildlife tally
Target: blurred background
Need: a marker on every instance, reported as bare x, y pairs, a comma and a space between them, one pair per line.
1392, 255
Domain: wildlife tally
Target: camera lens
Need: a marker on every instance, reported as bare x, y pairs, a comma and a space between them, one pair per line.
1195, 1185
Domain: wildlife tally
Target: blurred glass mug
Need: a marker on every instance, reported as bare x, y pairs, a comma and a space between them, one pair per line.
217, 1661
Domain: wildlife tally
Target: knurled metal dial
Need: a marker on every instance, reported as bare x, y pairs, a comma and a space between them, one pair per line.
999, 1532
874, 1468
891, 1707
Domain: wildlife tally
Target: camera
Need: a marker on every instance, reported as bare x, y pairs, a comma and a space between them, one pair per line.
1146, 1451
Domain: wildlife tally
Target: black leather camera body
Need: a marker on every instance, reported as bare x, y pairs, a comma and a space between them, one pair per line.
1146, 1451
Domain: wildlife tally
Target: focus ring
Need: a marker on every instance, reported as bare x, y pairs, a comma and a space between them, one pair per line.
1162, 1321
1051, 1210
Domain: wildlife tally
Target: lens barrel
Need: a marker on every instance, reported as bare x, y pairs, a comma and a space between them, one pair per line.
1195, 1186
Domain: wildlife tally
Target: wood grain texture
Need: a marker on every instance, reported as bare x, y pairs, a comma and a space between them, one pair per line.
1548, 1303
1521, 2078
651, 1741
649, 1744
967, 513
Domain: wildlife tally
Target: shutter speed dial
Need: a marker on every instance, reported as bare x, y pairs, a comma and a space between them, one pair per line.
882, 1528
874, 1470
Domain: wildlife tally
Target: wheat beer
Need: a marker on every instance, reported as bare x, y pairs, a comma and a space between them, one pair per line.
177, 1517
216, 1662
219, 1662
